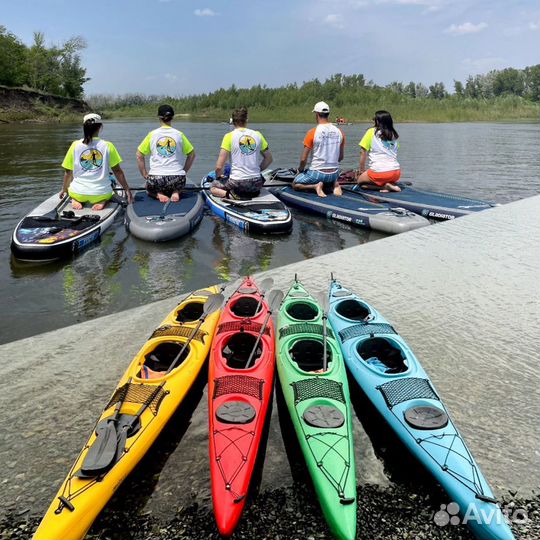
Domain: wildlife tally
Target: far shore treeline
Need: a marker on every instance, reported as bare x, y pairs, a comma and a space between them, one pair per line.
506, 94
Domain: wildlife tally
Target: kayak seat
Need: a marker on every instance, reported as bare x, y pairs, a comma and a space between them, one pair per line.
302, 311
238, 350
246, 307
352, 310
190, 312
308, 354
385, 352
160, 359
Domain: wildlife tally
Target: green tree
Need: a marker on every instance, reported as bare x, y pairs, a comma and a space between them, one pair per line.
13, 70
458, 88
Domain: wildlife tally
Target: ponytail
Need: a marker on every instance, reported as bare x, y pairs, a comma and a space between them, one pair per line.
90, 129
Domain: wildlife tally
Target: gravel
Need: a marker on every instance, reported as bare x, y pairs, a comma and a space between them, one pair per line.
391, 513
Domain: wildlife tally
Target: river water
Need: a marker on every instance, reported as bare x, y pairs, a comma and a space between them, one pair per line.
497, 162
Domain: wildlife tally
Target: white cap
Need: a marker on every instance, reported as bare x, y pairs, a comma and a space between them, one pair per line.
92, 116
321, 107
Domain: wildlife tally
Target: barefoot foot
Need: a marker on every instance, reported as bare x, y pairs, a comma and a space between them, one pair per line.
99, 206
162, 198
175, 197
392, 187
319, 190
76, 205
338, 191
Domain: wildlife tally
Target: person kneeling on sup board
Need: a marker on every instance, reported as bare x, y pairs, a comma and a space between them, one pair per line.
380, 146
326, 143
87, 164
248, 153
166, 147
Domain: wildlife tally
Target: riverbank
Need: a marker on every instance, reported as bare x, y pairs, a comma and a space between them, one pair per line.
511, 109
23, 105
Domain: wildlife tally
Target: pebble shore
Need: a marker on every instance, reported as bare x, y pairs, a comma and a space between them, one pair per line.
392, 513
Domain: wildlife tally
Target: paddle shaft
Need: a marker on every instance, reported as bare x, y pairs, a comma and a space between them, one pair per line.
257, 341
193, 334
325, 360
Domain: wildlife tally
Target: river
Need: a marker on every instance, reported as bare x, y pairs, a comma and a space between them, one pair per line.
497, 162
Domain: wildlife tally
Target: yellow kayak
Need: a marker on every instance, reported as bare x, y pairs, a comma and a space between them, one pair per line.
147, 395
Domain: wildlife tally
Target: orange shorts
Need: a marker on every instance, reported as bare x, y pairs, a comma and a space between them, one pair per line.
381, 178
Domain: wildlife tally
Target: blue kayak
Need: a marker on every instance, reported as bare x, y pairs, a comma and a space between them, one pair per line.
429, 204
394, 381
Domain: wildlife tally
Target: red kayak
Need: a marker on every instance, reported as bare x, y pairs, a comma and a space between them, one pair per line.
241, 376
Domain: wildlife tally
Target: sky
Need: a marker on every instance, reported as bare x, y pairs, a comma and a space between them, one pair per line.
183, 47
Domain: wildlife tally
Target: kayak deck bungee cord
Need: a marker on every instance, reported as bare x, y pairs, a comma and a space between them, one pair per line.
149, 392
394, 381
240, 384
316, 392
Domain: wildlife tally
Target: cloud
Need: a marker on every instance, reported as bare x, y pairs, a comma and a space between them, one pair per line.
170, 77
533, 26
483, 65
465, 28
205, 12
335, 20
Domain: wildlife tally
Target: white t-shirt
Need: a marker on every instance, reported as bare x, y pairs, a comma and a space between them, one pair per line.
167, 147
245, 146
90, 164
382, 155
325, 143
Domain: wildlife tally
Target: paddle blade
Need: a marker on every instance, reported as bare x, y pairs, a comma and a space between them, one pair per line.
101, 454
324, 300
213, 303
275, 298
266, 283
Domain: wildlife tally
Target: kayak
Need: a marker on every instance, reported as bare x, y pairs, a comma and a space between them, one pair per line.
239, 394
429, 204
348, 208
142, 403
392, 378
262, 214
153, 221
319, 405
53, 230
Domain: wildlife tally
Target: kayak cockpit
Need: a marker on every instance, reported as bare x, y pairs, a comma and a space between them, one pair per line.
307, 354
302, 311
383, 355
161, 357
353, 310
190, 312
246, 307
239, 348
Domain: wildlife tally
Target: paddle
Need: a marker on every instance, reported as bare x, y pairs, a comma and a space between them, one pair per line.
164, 209
266, 283
213, 303
109, 442
103, 451
274, 300
324, 300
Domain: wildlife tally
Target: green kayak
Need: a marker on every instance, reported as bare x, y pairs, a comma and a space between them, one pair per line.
318, 402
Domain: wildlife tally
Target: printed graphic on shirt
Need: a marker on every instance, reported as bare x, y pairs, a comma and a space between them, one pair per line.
247, 144
166, 146
91, 159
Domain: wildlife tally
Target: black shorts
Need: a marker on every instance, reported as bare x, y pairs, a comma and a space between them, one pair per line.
250, 186
164, 184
